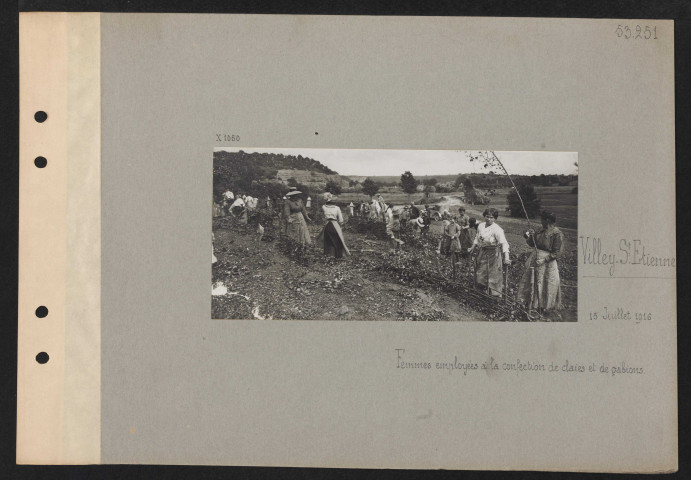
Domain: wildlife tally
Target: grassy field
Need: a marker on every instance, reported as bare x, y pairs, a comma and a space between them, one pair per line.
559, 200
397, 198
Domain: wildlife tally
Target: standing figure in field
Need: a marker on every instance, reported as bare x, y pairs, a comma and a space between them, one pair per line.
396, 228
405, 215
423, 222
472, 229
331, 235
414, 211
364, 209
374, 209
540, 286
309, 202
452, 233
492, 247
282, 218
393, 227
465, 238
444, 241
351, 207
295, 214
388, 215
382, 206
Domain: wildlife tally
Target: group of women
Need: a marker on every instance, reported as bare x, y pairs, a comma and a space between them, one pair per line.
296, 217
539, 287
457, 236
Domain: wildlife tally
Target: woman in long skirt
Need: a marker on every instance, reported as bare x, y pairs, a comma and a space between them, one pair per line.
453, 232
465, 237
491, 245
393, 227
374, 209
543, 290
295, 214
445, 240
331, 235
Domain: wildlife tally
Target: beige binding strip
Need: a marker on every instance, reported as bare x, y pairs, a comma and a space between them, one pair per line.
58, 403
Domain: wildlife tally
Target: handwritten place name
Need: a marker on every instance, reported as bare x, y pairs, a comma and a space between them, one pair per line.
494, 366
630, 252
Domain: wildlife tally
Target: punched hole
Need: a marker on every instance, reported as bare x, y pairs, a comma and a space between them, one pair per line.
40, 162
41, 312
42, 358
40, 116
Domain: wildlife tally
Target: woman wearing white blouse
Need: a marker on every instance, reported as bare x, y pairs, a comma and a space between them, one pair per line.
492, 246
331, 235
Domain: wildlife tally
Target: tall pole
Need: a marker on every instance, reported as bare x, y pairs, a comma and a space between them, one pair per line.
525, 212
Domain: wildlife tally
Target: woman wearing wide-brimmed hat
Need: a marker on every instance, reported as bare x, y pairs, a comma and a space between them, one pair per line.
331, 235
295, 214
543, 291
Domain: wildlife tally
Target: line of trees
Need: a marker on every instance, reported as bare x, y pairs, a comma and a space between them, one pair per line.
255, 173
370, 187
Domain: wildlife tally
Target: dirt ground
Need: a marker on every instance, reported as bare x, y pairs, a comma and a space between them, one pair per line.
271, 279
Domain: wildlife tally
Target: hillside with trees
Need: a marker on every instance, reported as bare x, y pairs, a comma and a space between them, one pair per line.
269, 173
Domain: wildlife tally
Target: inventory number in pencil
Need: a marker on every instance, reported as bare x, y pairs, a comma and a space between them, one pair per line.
637, 32
225, 137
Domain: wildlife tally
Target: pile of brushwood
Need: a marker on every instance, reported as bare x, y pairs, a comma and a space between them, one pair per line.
375, 228
422, 268
417, 264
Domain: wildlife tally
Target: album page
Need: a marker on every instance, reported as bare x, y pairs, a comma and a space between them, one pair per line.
362, 242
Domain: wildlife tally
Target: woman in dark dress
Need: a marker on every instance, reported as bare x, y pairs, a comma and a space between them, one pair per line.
466, 237
295, 214
543, 291
331, 235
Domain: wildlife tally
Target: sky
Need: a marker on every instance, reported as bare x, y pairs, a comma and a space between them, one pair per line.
426, 162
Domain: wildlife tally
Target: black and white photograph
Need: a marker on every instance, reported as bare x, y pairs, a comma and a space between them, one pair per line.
417, 235
356, 176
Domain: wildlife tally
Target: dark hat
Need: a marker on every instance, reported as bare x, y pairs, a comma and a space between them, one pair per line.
549, 216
